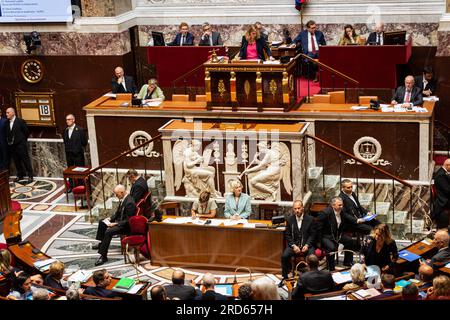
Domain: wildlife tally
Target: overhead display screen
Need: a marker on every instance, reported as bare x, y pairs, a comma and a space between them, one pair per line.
23, 11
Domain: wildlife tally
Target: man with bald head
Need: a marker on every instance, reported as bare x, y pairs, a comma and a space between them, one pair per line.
178, 289
377, 37
122, 83
442, 257
408, 94
118, 224
209, 282
426, 274
441, 205
300, 235
17, 140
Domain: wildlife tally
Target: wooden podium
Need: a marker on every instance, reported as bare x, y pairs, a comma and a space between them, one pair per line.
247, 85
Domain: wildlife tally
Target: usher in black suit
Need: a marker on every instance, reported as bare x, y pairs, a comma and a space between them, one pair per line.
352, 211
139, 189
441, 206
74, 146
126, 209
294, 236
331, 236
18, 147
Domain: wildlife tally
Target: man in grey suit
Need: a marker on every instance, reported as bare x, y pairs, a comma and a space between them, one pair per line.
209, 37
407, 94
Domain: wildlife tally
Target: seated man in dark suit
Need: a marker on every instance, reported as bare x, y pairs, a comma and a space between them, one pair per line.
118, 224
313, 281
122, 83
102, 279
426, 274
441, 205
4, 158
310, 41
158, 293
331, 232
387, 286
178, 289
209, 37
300, 235
426, 82
353, 212
442, 257
139, 186
55, 274
184, 37
408, 94
376, 37
210, 294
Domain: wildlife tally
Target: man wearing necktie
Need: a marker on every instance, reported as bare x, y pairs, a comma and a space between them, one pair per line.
441, 206
310, 41
117, 224
209, 37
408, 94
377, 37
184, 37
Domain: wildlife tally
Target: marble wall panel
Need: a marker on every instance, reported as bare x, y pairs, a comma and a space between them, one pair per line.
424, 34
443, 48
69, 43
98, 8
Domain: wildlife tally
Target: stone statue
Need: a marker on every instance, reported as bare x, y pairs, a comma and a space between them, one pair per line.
198, 175
272, 165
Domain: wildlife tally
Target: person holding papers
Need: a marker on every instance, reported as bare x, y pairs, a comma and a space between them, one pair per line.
151, 92
408, 94
353, 213
253, 46
118, 224
237, 204
380, 249
204, 207
300, 235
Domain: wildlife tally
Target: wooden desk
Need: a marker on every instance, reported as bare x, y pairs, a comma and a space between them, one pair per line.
140, 295
69, 173
11, 227
445, 270
23, 253
216, 247
419, 248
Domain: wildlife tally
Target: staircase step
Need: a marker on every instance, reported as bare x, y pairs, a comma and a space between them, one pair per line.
382, 208
399, 218
365, 199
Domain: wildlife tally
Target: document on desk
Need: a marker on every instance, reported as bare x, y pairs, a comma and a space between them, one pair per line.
359, 108
409, 256
80, 169
178, 220
110, 95
341, 277
339, 297
42, 263
135, 289
152, 104
387, 109
431, 98
447, 265
230, 222
216, 222
272, 62
366, 294
427, 241
249, 225
80, 276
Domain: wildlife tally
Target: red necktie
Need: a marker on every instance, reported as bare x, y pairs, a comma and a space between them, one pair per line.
313, 45
408, 96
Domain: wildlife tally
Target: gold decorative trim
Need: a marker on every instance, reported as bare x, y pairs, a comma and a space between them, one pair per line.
208, 86
247, 88
259, 95
221, 88
273, 88
285, 86
233, 86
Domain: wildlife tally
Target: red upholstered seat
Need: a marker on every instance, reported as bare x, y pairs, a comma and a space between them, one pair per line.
135, 240
79, 190
15, 206
138, 225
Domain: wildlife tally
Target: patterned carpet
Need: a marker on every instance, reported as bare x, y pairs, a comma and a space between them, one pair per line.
51, 223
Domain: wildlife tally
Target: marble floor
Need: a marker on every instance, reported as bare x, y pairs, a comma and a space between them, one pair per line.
52, 224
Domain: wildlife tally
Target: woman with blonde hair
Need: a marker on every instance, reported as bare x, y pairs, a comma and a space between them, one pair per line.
55, 274
380, 249
253, 46
358, 274
151, 92
440, 289
237, 203
204, 207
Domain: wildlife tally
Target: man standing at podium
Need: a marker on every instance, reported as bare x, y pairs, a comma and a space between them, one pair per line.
122, 83
310, 40
408, 94
209, 37
377, 37
184, 37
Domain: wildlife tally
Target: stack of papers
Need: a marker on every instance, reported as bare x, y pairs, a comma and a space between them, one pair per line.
366, 294
44, 265
80, 169
249, 225
178, 220
341, 277
79, 276
431, 98
110, 95
359, 108
216, 222
447, 265
272, 62
340, 297
427, 241
152, 104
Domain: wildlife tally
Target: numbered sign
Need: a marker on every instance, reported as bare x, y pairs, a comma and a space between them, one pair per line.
36, 108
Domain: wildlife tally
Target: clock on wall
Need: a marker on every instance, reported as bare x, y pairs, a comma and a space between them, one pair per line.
32, 70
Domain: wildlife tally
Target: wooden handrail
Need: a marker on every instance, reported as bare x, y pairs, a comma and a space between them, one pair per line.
124, 154
187, 73
331, 146
340, 74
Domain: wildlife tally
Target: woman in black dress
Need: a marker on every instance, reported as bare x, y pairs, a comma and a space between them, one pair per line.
380, 249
